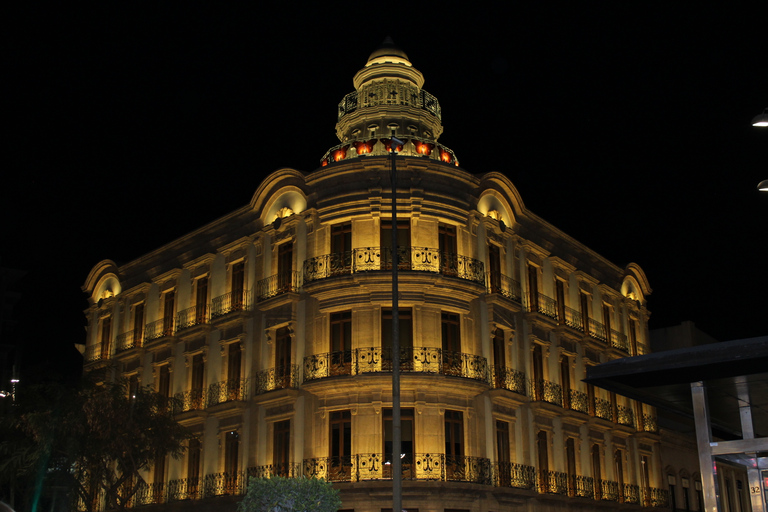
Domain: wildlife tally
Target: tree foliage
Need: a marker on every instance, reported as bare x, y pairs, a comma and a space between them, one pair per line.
279, 494
96, 441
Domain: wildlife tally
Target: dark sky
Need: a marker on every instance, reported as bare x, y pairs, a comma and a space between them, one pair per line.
628, 127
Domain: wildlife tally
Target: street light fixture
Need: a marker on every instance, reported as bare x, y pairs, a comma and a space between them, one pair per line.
763, 186
761, 120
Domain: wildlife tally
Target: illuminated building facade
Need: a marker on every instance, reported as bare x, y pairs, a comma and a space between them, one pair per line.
273, 323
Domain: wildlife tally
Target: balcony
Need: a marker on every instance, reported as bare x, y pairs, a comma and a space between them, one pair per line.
278, 284
379, 360
190, 317
508, 474
232, 302
280, 377
551, 482
94, 353
509, 379
283, 469
371, 259
128, 340
227, 391
505, 286
225, 484
159, 329
192, 400
541, 390
184, 489
625, 416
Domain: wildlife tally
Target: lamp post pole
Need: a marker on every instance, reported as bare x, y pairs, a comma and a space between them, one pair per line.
397, 481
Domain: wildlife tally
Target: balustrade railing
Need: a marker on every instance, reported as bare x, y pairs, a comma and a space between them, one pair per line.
509, 379
579, 401
159, 329
420, 259
551, 482
128, 340
603, 409
508, 474
545, 391
505, 286
190, 317
227, 391
412, 360
609, 490
625, 416
657, 498
280, 377
149, 494
278, 284
236, 300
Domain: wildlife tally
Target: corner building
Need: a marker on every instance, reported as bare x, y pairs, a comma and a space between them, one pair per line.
273, 326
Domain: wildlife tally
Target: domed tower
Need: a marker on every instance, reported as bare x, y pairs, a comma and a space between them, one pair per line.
389, 100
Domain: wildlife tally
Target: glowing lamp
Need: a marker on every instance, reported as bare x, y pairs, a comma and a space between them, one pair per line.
763, 186
445, 156
761, 120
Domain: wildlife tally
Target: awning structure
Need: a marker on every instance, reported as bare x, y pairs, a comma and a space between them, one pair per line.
722, 386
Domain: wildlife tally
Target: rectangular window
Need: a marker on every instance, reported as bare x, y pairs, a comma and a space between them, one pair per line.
633, 336
197, 382
448, 252
106, 334
281, 448
565, 381
133, 385
533, 288
407, 445
454, 444
285, 266
164, 381
282, 358
138, 324
341, 249
169, 299
560, 298
238, 285
403, 245
542, 450
570, 461
584, 303
502, 441
193, 468
607, 321
201, 300
499, 359
494, 268
406, 328
341, 343
234, 364
231, 461
340, 446
451, 344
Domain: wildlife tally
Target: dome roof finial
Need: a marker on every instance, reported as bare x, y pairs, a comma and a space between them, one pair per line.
388, 48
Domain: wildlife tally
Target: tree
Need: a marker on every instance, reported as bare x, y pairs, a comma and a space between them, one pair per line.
97, 441
279, 494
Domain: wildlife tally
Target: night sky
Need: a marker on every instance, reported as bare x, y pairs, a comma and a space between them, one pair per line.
628, 127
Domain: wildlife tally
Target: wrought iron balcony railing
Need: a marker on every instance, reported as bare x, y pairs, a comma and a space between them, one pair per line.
227, 391
608, 490
508, 474
159, 329
583, 486
128, 340
236, 300
419, 259
192, 400
625, 416
545, 391
412, 360
597, 330
94, 353
631, 494
225, 484
278, 284
505, 286
619, 341
579, 401
190, 317
650, 424
510, 379
280, 377
603, 409
283, 469
551, 482
572, 318
181, 489
540, 303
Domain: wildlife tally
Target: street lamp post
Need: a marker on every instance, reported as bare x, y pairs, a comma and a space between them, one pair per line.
397, 480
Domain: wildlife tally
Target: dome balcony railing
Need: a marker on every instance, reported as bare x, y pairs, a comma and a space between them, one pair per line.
417, 259
388, 92
412, 146
412, 360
